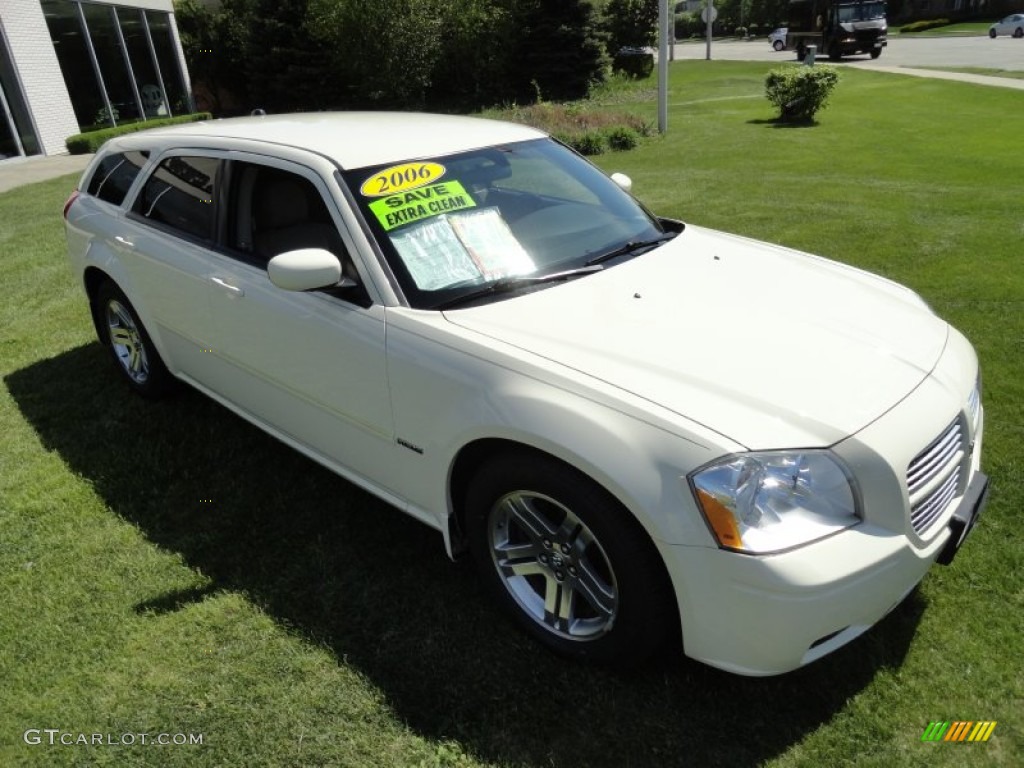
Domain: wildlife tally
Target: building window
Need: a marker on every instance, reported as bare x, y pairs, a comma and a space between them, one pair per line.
102, 24
120, 64
75, 62
17, 136
167, 55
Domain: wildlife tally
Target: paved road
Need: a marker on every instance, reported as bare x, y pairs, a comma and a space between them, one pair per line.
902, 51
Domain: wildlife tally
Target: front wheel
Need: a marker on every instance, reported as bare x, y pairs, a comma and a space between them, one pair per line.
876, 52
992, 33
1018, 32
129, 344
778, 45
567, 560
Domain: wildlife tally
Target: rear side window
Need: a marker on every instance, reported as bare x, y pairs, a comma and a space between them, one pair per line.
114, 176
180, 194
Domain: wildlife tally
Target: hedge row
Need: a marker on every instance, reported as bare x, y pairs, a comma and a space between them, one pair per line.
82, 143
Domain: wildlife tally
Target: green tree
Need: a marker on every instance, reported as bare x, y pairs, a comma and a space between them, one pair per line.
631, 23
558, 49
216, 44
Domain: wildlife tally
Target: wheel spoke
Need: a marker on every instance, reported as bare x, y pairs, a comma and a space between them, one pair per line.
518, 559
526, 516
595, 591
559, 605
137, 360
569, 530
121, 335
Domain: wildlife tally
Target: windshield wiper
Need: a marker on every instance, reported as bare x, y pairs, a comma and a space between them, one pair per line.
506, 284
631, 247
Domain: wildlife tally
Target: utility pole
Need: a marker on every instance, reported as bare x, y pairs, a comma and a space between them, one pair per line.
663, 66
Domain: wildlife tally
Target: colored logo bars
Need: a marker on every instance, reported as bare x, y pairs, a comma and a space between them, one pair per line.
959, 730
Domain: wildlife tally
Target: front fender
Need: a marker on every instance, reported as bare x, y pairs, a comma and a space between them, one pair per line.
449, 394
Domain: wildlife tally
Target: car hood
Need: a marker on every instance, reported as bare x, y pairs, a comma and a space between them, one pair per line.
767, 346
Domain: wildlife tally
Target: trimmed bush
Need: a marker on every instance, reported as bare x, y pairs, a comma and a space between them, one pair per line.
800, 91
586, 143
622, 138
81, 143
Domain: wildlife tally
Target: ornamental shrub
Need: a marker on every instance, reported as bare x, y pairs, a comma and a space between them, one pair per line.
800, 91
622, 138
586, 143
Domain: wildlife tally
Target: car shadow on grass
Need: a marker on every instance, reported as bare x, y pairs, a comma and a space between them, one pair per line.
348, 572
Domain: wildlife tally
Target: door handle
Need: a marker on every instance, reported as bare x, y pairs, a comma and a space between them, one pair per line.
234, 289
124, 241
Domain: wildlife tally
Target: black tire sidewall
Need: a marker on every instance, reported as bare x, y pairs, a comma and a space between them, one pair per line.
646, 612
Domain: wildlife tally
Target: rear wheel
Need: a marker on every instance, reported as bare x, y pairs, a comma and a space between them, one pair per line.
567, 560
1018, 32
992, 33
778, 45
123, 334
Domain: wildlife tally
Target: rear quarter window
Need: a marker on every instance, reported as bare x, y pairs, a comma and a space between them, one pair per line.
114, 175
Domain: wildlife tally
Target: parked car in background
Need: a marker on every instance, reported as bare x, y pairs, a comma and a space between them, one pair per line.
777, 38
1011, 25
640, 429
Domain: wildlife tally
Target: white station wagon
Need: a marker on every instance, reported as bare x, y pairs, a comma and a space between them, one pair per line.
640, 429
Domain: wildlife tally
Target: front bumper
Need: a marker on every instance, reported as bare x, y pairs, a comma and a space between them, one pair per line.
772, 614
768, 614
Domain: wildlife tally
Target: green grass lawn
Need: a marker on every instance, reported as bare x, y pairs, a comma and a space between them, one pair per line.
166, 568
963, 29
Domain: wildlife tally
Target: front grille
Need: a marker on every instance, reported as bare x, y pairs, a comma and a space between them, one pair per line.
933, 477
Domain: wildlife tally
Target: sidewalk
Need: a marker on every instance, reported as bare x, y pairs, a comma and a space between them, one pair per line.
28, 170
963, 77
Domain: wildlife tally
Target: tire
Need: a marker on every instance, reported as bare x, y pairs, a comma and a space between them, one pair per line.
569, 563
1018, 32
992, 34
134, 354
835, 54
778, 45
801, 53
876, 52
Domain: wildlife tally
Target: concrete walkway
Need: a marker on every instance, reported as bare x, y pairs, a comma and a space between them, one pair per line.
28, 170
963, 77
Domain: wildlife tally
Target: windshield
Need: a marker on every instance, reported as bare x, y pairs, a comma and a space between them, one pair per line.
861, 12
449, 226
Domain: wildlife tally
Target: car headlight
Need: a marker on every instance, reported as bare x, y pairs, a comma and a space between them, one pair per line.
768, 502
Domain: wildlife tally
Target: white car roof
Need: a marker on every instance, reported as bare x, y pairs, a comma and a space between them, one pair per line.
352, 139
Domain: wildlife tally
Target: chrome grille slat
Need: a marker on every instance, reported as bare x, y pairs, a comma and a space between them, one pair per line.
933, 477
926, 514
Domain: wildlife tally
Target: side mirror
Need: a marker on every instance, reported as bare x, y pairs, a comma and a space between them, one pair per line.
623, 181
306, 269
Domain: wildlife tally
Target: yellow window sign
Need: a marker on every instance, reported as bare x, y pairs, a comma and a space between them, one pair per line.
401, 178
419, 204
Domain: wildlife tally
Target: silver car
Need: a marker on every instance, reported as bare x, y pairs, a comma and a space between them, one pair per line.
1011, 25
777, 38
